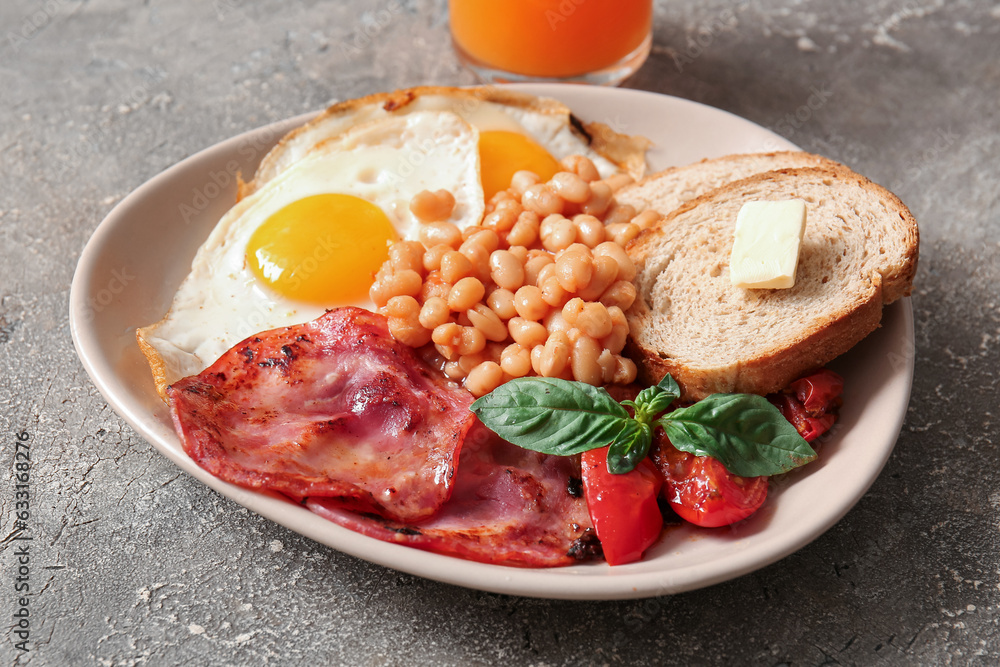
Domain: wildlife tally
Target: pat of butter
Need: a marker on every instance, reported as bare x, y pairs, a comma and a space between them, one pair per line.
766, 244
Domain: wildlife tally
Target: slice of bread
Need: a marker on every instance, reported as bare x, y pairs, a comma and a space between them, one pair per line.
668, 189
859, 252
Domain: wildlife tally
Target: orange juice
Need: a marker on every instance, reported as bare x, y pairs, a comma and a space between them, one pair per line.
550, 38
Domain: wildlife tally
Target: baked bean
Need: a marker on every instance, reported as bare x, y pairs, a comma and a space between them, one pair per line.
534, 265
647, 218
499, 197
541, 200
434, 313
434, 286
432, 206
579, 248
574, 271
618, 181
572, 310
479, 257
599, 200
621, 293
619, 213
623, 232
547, 271
403, 283
581, 166
555, 321
615, 341
625, 371
466, 293
570, 187
432, 257
463, 319
515, 360
520, 252
594, 320
435, 233
556, 233
384, 271
379, 294
626, 269
487, 238
522, 180
454, 371
529, 303
408, 332
555, 356
512, 204
484, 378
455, 266
501, 302
604, 274
536, 358
608, 366
500, 220
449, 334
552, 292
405, 307
472, 341
527, 333
407, 255
584, 360
506, 270
589, 230
487, 321
525, 230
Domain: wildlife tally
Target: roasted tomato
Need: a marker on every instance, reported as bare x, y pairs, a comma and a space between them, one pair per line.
819, 392
622, 508
700, 489
809, 403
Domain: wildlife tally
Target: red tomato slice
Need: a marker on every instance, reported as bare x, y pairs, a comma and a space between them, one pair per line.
622, 507
702, 491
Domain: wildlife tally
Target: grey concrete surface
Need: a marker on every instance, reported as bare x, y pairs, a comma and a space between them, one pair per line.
137, 564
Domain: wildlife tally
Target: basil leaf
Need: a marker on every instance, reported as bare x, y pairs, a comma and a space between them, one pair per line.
552, 416
630, 447
651, 401
744, 432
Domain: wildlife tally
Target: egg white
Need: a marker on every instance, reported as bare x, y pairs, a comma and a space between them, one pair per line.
385, 162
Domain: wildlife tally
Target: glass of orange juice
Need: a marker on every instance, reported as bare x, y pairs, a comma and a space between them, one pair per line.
588, 41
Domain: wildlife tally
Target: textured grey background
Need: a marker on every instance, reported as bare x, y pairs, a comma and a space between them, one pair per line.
137, 564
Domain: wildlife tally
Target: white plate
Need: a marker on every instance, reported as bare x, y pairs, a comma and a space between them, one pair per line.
133, 263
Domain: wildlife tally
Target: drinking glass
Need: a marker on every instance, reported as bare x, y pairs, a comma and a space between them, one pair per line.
583, 41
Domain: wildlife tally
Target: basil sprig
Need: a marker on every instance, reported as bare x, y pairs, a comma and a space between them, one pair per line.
747, 434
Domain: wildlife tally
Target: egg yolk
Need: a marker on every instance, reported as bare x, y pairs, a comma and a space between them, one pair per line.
323, 249
501, 153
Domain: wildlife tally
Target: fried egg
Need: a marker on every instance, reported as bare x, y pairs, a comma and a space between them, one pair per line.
313, 237
516, 131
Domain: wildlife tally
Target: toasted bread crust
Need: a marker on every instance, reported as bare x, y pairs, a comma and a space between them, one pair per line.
773, 367
156, 365
766, 373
